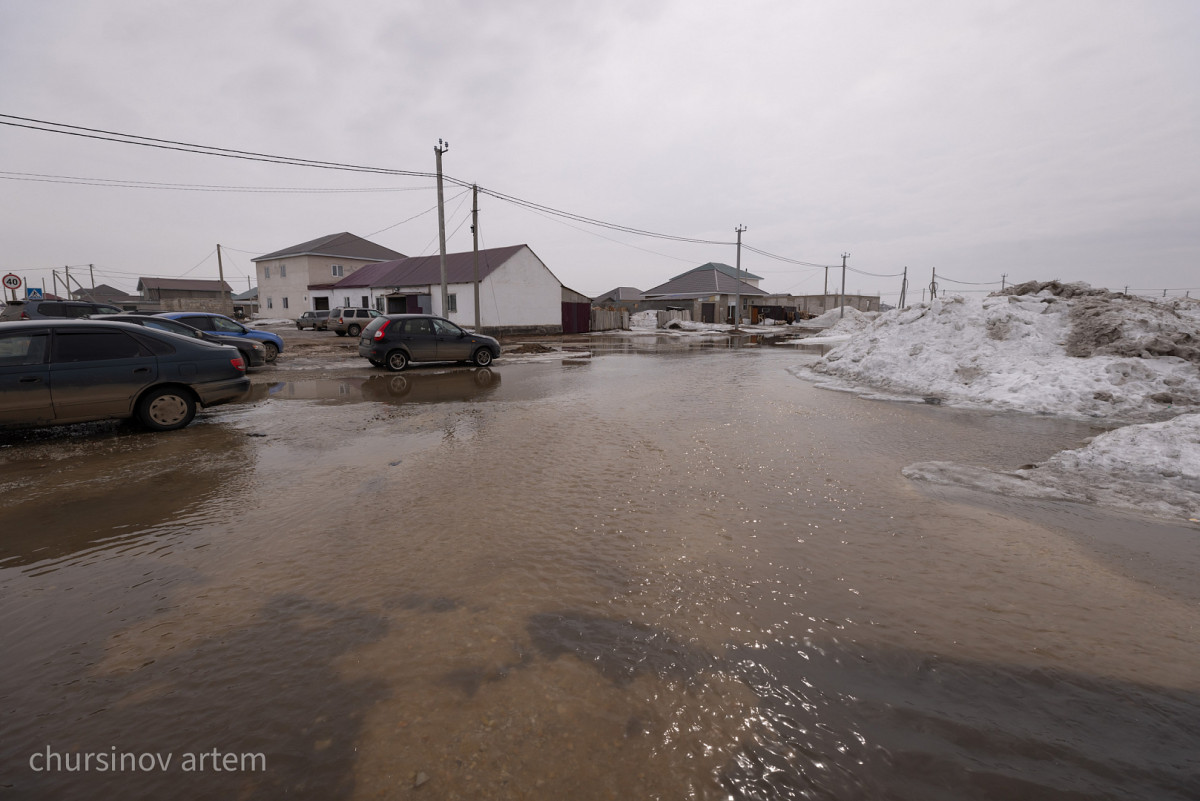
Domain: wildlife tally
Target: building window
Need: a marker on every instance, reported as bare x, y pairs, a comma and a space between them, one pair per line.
451, 303
270, 303
285, 305
337, 270
346, 302
366, 302
266, 272
283, 272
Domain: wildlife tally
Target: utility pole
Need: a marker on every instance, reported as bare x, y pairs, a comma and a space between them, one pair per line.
842, 296
825, 292
737, 303
92, 274
67, 270
441, 148
903, 288
475, 246
221, 278
933, 285
1003, 277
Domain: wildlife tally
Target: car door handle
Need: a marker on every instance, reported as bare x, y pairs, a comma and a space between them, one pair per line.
30, 379
142, 370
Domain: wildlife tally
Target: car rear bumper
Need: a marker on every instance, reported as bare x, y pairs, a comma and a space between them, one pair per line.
215, 393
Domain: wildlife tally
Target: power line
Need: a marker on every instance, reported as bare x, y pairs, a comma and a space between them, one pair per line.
135, 184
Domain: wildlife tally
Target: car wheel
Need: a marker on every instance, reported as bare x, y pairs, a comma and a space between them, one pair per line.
166, 409
272, 351
299, 327
482, 357
353, 330
397, 360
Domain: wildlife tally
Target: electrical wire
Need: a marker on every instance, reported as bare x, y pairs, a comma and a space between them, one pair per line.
134, 184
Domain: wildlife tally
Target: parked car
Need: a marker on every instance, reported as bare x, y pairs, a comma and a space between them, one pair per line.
74, 371
343, 321
316, 320
220, 324
43, 309
397, 339
251, 349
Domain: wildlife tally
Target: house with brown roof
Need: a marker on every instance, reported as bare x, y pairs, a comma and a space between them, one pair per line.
186, 294
296, 279
516, 290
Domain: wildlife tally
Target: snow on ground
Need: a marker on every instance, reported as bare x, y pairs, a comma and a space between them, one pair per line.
1049, 349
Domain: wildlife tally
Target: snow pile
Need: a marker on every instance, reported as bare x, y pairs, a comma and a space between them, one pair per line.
1152, 468
1097, 355
643, 320
1051, 348
846, 319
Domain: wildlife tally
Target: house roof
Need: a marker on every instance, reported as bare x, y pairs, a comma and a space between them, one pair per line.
702, 281
621, 293
344, 245
724, 268
184, 284
249, 294
417, 270
102, 291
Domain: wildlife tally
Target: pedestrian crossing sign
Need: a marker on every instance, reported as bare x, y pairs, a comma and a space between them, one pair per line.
33, 293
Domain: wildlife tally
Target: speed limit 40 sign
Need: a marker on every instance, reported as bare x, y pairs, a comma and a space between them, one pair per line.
12, 281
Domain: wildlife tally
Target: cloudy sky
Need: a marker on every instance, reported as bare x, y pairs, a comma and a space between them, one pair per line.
981, 138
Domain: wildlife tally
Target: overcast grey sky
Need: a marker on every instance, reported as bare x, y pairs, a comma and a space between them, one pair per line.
1043, 139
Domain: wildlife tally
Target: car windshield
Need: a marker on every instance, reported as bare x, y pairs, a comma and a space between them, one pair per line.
447, 328
224, 325
171, 326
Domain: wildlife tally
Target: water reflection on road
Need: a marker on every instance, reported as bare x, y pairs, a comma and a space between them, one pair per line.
670, 572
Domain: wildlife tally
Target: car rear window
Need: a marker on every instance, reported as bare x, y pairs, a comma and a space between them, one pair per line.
374, 326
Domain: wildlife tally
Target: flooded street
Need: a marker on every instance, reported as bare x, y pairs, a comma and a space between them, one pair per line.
666, 571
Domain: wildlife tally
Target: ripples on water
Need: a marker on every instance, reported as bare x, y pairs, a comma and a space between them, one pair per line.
657, 576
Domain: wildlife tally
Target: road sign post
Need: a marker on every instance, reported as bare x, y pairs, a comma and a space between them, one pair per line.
12, 283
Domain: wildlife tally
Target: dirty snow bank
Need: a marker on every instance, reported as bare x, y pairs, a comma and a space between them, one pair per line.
1051, 348
1093, 356
1152, 468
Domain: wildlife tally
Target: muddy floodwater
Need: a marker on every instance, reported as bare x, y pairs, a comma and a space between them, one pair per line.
663, 572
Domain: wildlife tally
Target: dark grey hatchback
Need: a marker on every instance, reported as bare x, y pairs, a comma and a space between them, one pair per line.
74, 371
397, 339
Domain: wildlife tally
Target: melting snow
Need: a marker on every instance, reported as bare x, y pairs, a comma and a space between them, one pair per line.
1050, 349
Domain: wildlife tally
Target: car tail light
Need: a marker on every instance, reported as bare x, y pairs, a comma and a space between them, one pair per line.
24, 315
379, 331
239, 363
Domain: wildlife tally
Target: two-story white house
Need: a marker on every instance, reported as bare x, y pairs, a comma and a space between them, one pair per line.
299, 278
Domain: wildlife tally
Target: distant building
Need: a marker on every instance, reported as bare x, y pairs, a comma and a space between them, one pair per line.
708, 292
298, 278
186, 294
103, 293
517, 291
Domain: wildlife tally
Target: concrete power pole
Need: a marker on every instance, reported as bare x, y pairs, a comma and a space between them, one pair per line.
842, 296
221, 278
441, 148
737, 303
475, 246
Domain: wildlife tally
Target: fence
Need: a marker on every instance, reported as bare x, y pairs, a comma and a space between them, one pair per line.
609, 320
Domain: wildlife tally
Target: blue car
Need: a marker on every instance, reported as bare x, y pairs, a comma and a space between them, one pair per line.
220, 324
